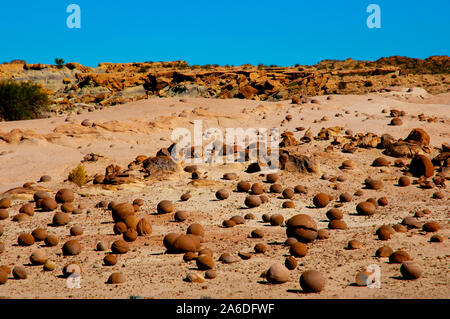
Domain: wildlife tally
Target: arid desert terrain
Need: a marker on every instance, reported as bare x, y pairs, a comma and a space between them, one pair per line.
319, 135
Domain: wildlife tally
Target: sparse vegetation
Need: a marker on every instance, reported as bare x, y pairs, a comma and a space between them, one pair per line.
59, 63
22, 101
79, 176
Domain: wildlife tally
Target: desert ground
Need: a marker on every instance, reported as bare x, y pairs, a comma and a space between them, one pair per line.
54, 146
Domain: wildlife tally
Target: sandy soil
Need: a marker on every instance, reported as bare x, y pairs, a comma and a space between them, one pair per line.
142, 128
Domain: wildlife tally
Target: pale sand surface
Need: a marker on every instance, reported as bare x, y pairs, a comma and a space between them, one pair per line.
152, 274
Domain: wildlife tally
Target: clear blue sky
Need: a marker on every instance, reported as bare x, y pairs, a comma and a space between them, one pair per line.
283, 32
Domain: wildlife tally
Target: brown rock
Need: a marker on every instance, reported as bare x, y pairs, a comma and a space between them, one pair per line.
25, 240
411, 270
121, 211
27, 209
5, 203
76, 230
120, 247
276, 220
48, 204
257, 233
277, 274
116, 278
60, 219
243, 186
404, 181
382, 201
165, 207
381, 161
252, 201
337, 224
64, 195
398, 257
38, 257
51, 240
67, 207
222, 194
421, 166
205, 262
3, 214
110, 260
300, 189
366, 208
321, 200
384, 251
20, 272
431, 226
71, 248
312, 281
185, 243
375, 184
39, 234
335, 213
298, 249
354, 244
144, 227
130, 235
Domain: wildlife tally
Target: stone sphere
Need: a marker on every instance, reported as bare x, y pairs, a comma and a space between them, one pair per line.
277, 274
61, 219
48, 204
222, 194
71, 248
252, 201
116, 278
38, 257
64, 195
20, 272
312, 281
384, 251
120, 247
321, 200
411, 270
39, 234
165, 207
51, 240
25, 240
298, 249
366, 208
398, 257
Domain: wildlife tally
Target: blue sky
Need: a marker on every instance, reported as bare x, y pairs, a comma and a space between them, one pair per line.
283, 32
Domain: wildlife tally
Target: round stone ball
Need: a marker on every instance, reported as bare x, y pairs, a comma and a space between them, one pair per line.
252, 201
312, 281
20, 272
398, 257
222, 194
411, 270
71, 248
64, 195
120, 247
38, 257
165, 207
25, 240
321, 200
116, 278
298, 249
277, 274
276, 220
110, 260
39, 234
51, 240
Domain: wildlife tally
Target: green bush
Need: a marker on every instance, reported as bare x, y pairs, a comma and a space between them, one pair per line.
59, 63
22, 101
